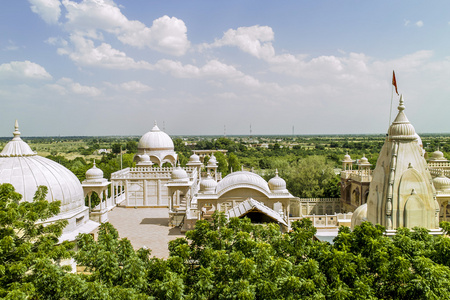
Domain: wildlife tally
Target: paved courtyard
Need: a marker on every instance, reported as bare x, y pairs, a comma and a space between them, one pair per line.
145, 227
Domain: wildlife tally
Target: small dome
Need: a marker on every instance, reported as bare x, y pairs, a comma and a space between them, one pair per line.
144, 160
359, 215
277, 184
212, 162
441, 183
155, 140
347, 158
17, 147
194, 158
401, 128
438, 156
94, 173
208, 184
179, 174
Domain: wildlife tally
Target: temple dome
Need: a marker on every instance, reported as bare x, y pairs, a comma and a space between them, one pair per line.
441, 183
242, 178
25, 170
347, 158
155, 140
194, 158
208, 184
359, 215
94, 173
401, 128
179, 174
438, 156
277, 184
212, 162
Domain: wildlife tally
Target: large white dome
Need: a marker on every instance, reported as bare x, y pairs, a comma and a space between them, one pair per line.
155, 140
25, 170
242, 178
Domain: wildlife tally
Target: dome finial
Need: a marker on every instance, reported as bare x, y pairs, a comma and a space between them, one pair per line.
94, 164
401, 105
16, 132
155, 127
276, 172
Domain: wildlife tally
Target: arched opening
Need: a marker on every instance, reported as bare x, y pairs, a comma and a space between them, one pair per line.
258, 217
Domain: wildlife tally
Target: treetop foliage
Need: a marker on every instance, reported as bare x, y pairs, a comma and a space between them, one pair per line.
222, 259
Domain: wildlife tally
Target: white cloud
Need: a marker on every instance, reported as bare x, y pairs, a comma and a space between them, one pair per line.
254, 40
23, 70
84, 52
212, 70
130, 86
419, 23
167, 35
48, 10
65, 86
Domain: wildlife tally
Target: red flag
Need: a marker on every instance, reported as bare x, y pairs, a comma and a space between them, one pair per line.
394, 82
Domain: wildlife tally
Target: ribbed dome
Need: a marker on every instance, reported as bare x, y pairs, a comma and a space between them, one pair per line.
359, 215
401, 128
242, 178
155, 140
194, 158
208, 184
277, 184
17, 147
94, 173
178, 174
25, 170
212, 162
441, 182
437, 156
347, 158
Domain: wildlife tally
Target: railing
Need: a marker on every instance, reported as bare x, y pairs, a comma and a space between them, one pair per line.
149, 172
357, 175
327, 221
316, 199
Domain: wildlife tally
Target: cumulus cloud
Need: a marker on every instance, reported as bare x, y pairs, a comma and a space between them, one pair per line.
255, 40
212, 70
23, 70
419, 23
167, 35
48, 10
84, 52
130, 86
65, 86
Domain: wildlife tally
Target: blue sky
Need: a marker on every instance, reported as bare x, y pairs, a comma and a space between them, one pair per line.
103, 67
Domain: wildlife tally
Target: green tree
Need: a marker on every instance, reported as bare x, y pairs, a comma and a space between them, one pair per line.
28, 246
233, 163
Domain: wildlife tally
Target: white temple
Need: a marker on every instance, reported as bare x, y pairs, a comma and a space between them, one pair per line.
191, 194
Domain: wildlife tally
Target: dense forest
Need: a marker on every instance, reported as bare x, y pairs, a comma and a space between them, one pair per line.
221, 259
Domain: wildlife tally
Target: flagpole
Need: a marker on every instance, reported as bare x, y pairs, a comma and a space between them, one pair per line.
390, 109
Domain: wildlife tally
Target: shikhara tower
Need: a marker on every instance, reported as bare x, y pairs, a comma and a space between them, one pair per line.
401, 192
